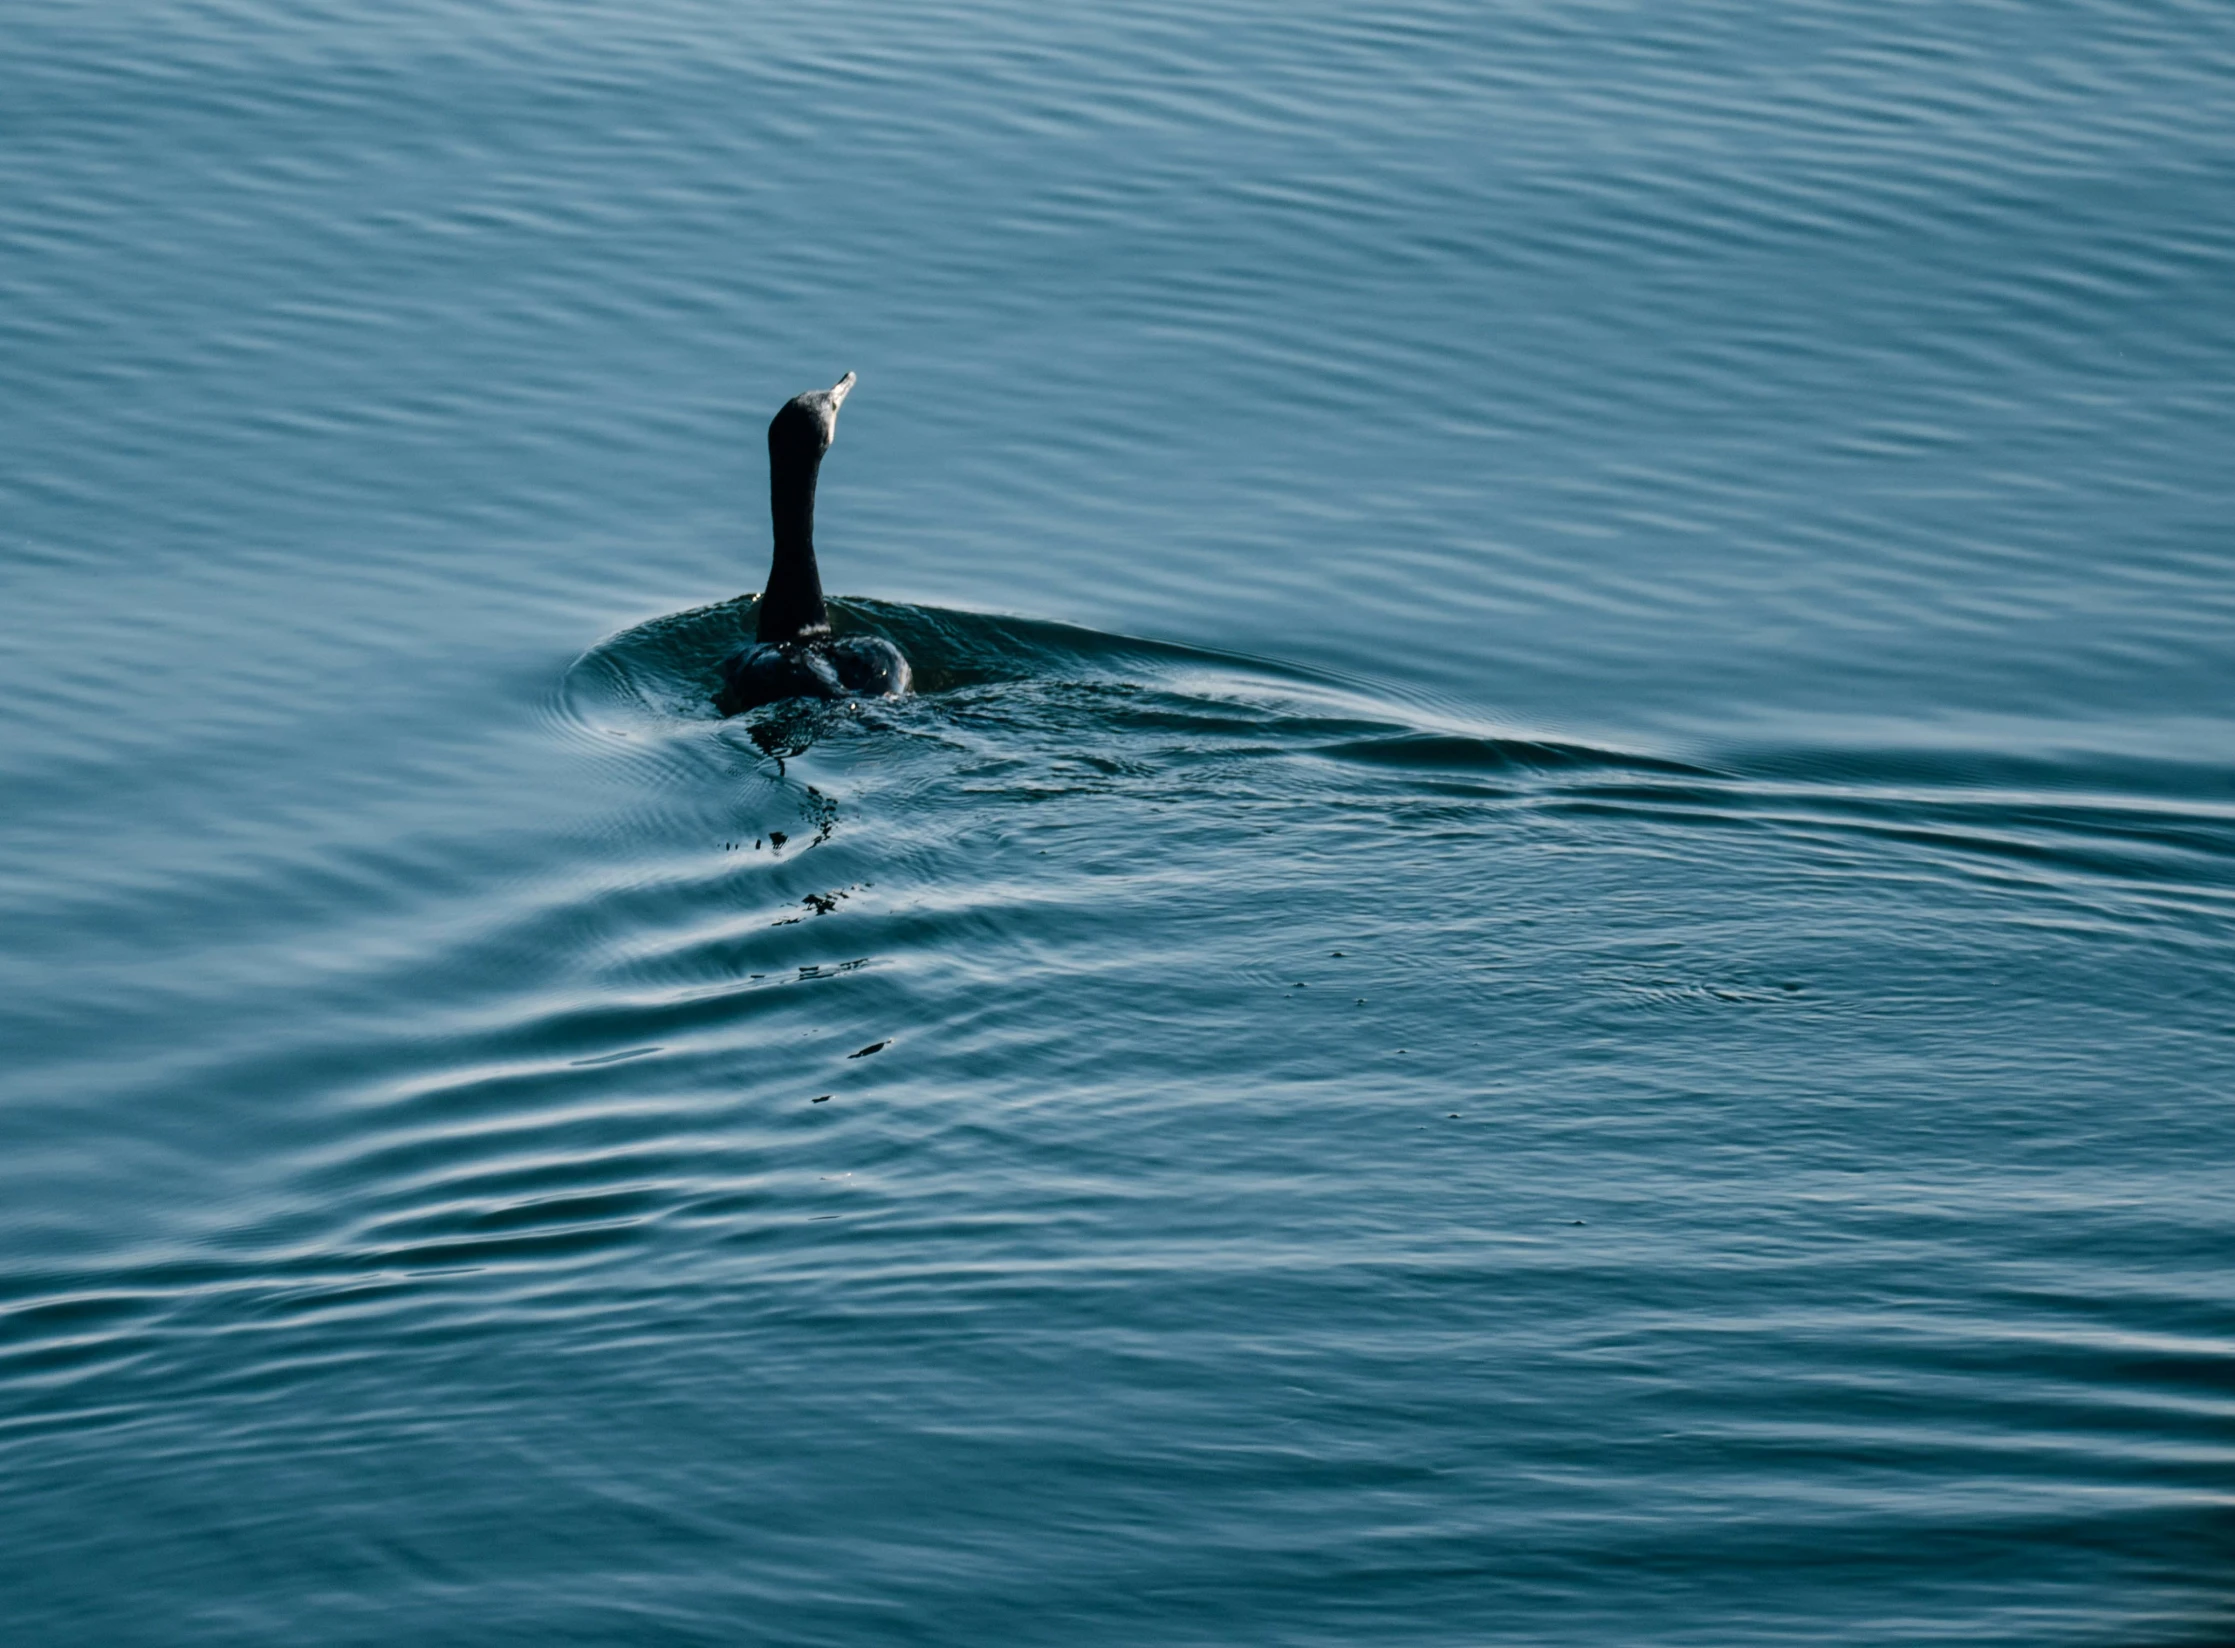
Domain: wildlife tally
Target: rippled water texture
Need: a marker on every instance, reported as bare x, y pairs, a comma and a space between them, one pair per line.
1552, 961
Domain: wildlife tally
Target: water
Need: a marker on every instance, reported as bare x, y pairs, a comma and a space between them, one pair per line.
1551, 964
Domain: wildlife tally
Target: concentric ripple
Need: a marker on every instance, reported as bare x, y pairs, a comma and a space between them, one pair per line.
1477, 1156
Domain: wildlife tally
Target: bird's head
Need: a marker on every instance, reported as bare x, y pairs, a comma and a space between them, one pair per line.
806, 425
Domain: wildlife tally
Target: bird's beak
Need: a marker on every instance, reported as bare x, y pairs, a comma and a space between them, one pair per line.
840, 390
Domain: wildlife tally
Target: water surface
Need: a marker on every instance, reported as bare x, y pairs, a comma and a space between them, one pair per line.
1550, 962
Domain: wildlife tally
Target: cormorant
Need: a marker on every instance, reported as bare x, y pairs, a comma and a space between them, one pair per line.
795, 655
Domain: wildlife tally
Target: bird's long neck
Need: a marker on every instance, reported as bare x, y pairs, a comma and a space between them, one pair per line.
792, 604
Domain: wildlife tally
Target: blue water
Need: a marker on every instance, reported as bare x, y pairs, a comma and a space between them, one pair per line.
1552, 960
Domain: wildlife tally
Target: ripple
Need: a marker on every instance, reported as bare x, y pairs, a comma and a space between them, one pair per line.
1621, 1037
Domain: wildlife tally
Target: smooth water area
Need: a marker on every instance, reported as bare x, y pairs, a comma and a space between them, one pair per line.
1551, 959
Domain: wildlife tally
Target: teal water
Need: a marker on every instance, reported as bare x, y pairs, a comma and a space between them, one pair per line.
1552, 961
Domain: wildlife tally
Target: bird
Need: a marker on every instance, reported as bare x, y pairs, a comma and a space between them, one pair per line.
794, 654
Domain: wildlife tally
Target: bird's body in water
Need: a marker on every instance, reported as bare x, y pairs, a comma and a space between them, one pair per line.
795, 655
